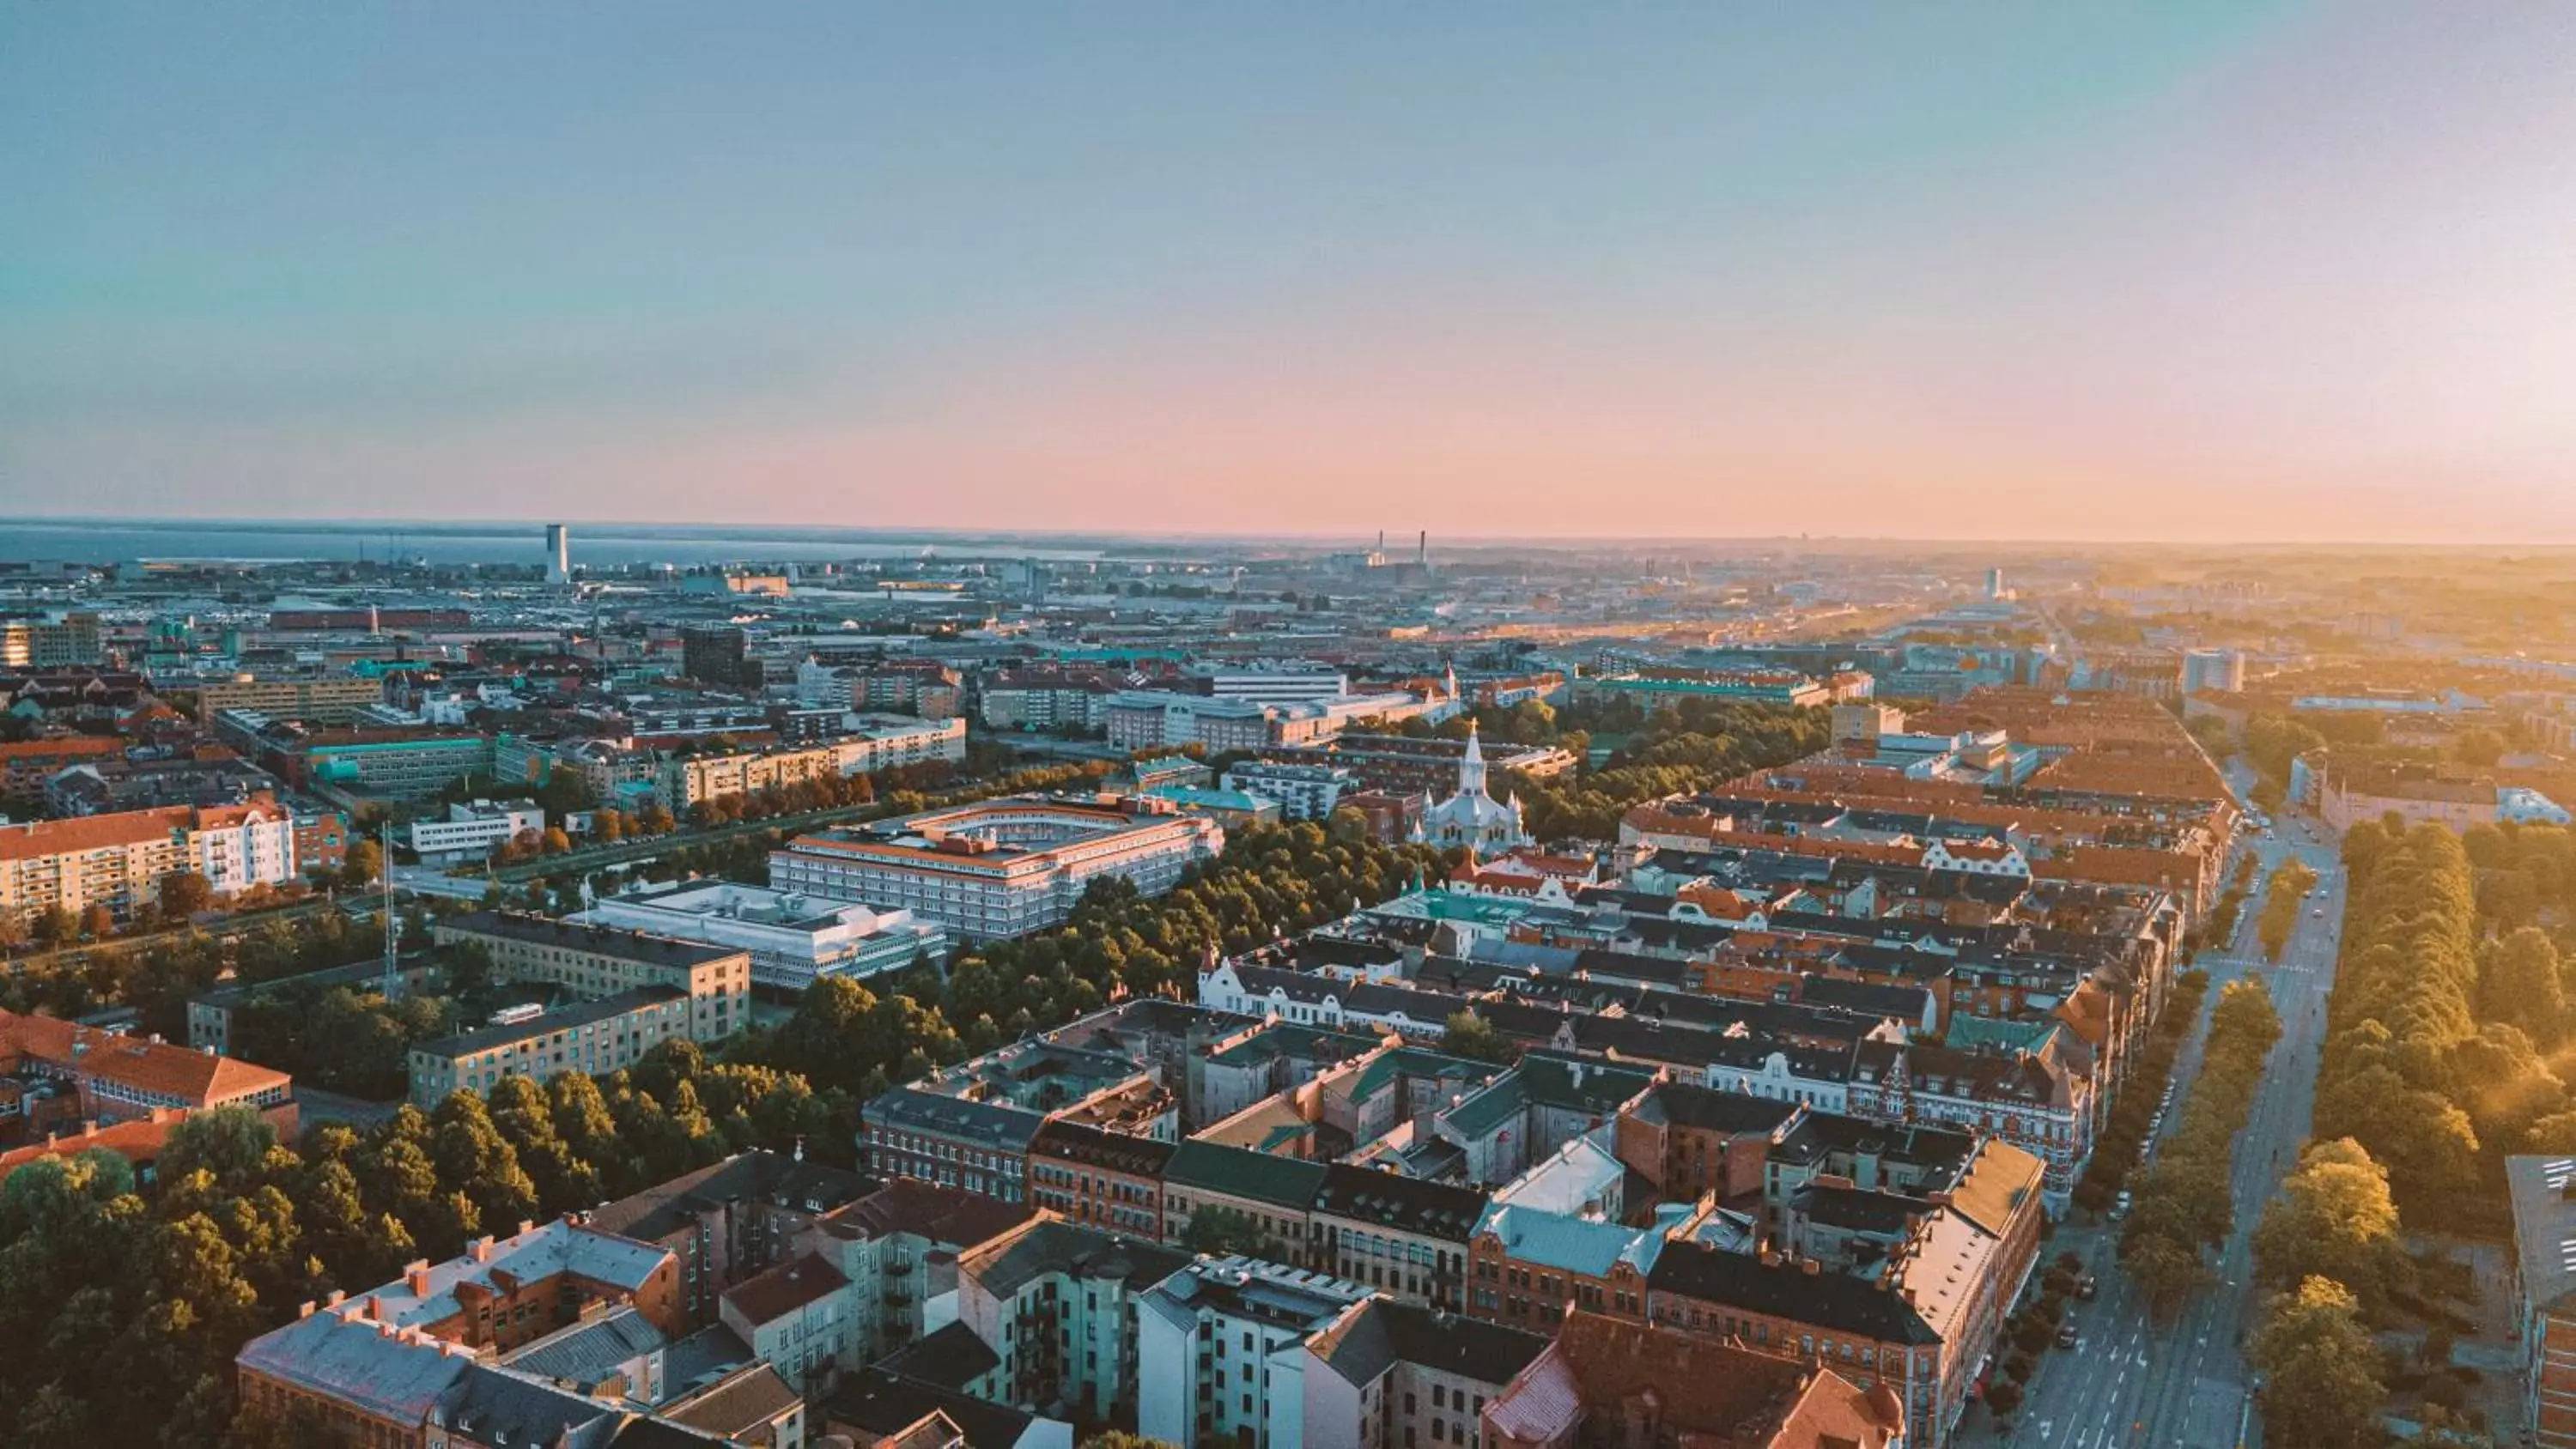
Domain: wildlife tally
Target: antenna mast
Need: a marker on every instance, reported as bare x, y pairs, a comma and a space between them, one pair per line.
393, 925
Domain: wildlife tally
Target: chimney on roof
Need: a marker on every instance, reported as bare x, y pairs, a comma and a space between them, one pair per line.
483, 1249
416, 1280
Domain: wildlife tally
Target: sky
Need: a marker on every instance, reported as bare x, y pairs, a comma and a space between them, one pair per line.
2201, 272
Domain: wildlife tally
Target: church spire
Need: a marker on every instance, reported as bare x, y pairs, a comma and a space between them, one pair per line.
1471, 765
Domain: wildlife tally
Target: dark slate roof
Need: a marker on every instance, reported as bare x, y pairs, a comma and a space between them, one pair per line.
587, 1352
1905, 1003
952, 1358
1817, 1135
562, 1018
1241, 1172
754, 1395
988, 1124
1858, 1209
755, 1176
1099, 1147
1402, 1204
494, 1407
885, 1403
1075, 1251
1835, 1301
600, 940
1686, 1104
1380, 1333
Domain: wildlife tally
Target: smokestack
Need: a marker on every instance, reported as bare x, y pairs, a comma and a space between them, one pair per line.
1422, 549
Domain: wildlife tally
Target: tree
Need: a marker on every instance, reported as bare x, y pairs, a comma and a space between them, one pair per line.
55, 926
2480, 749
2520, 984
2165, 1270
2324, 1390
1471, 1036
2334, 1219
365, 862
184, 893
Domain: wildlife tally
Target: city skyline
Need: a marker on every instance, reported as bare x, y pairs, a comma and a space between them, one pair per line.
2267, 273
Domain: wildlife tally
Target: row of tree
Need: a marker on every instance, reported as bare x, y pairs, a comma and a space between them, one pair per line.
2185, 1201
2432, 1061
125, 1308
1693, 746
2133, 1112
2282, 896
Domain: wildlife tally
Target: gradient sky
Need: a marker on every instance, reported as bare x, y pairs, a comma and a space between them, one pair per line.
2189, 271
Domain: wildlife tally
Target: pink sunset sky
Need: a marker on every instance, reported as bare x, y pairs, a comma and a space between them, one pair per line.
2296, 272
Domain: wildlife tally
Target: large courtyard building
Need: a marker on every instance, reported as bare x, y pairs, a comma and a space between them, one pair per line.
997, 868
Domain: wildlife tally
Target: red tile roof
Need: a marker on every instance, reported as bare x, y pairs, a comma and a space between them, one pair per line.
196, 1079
137, 1142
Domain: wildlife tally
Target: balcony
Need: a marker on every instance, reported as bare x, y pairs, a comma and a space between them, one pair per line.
897, 1267
898, 1298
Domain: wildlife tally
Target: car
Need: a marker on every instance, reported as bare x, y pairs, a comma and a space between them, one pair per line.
2066, 1334
2086, 1287
2319, 913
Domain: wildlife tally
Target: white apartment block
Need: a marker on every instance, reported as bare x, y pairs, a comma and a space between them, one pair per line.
997, 868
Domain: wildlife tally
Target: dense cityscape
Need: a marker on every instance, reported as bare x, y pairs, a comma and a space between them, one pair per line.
1269, 994
842, 725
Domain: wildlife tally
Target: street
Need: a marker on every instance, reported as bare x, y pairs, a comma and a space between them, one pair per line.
2131, 1382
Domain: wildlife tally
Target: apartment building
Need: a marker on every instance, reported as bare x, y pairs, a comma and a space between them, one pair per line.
1404, 1236
358, 765
1605, 1380
899, 1246
422, 1362
1390, 1375
119, 860
1222, 1351
2544, 1294
597, 961
1302, 792
997, 868
26, 765
730, 1220
332, 699
1107, 1180
52, 641
799, 1319
596, 1037
1056, 1304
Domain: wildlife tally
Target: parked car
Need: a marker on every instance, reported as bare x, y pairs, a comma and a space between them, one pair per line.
2086, 1287
2066, 1334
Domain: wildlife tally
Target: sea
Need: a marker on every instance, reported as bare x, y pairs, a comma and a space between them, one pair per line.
150, 540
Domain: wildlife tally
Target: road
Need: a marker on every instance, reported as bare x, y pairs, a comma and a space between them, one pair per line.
2134, 1383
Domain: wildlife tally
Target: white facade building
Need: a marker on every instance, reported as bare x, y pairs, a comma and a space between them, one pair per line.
1302, 792
1472, 817
792, 938
474, 829
1247, 1322
998, 867
238, 846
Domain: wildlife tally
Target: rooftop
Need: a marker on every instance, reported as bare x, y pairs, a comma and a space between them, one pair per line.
1372, 1337
596, 940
